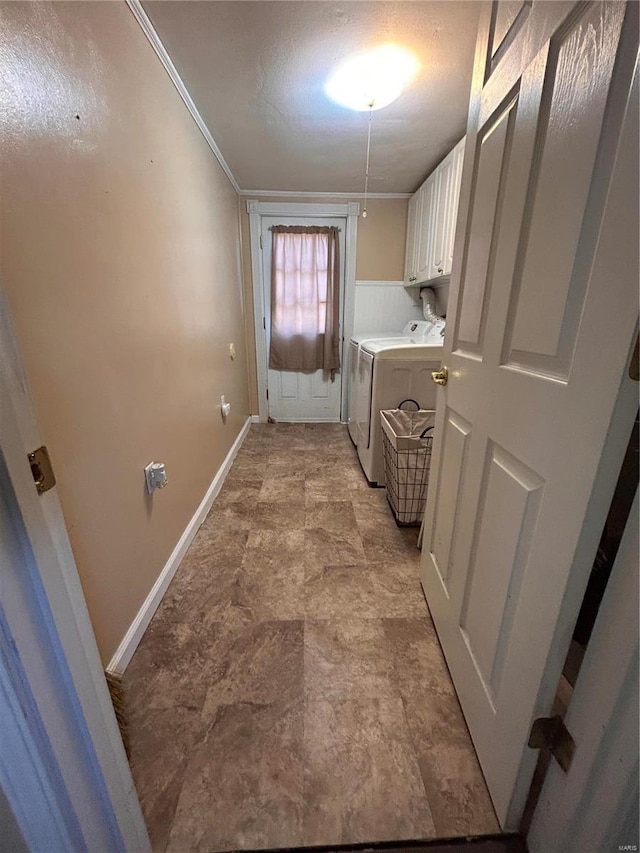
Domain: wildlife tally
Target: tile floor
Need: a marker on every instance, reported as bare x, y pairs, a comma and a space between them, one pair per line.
291, 689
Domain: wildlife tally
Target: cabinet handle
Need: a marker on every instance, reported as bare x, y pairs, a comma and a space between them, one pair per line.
412, 278
440, 270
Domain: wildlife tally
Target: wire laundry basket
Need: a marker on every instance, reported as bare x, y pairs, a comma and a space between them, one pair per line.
407, 439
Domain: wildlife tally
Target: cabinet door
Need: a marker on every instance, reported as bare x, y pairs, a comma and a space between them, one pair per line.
452, 206
413, 228
441, 217
429, 192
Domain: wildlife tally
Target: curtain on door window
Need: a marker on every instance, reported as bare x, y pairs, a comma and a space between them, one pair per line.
305, 299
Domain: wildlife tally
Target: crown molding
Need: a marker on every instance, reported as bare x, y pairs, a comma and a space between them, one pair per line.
301, 194
154, 40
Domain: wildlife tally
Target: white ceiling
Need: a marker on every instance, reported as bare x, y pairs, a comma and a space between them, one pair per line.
256, 70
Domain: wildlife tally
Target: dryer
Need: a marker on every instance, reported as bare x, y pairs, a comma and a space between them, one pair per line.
391, 370
355, 346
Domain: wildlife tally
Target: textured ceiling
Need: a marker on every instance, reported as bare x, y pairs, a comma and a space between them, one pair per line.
256, 72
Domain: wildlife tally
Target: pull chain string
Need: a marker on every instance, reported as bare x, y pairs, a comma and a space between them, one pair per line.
366, 170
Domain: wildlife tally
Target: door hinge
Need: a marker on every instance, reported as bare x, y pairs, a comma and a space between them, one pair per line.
552, 734
264, 324
261, 241
267, 393
42, 470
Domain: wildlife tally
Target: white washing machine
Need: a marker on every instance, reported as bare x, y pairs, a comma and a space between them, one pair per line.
412, 330
354, 354
389, 371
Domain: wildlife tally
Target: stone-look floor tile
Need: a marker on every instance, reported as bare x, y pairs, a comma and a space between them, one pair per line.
244, 785
263, 665
218, 686
162, 671
238, 515
279, 515
270, 584
418, 662
249, 466
336, 516
328, 460
364, 591
322, 487
287, 460
452, 778
372, 497
282, 488
204, 584
291, 430
239, 491
362, 778
162, 742
325, 548
397, 590
347, 658
382, 539
339, 592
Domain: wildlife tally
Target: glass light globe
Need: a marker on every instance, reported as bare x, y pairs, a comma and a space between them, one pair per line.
372, 79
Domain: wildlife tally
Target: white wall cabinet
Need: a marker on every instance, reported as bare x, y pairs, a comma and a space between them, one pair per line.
431, 225
411, 256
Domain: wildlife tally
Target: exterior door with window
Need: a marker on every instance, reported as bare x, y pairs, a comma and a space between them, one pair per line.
297, 395
541, 322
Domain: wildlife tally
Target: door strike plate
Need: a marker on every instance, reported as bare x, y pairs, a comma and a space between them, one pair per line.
42, 471
552, 734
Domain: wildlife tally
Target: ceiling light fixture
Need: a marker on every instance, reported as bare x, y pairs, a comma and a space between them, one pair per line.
370, 81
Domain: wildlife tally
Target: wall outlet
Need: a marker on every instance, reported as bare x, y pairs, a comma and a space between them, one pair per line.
155, 474
225, 407
232, 351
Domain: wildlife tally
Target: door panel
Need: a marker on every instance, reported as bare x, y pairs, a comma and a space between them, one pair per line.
507, 514
547, 297
455, 441
538, 282
507, 16
492, 168
302, 395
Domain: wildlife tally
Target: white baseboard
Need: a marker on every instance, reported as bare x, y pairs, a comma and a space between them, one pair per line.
255, 419
119, 662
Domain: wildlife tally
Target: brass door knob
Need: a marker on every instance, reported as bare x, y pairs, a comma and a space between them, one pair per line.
440, 377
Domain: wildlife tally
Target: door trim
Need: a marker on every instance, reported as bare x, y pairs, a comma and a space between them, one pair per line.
256, 210
54, 570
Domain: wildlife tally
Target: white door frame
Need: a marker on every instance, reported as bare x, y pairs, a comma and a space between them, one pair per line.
594, 806
256, 210
55, 576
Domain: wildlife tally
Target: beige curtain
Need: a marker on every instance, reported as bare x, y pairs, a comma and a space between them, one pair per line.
305, 299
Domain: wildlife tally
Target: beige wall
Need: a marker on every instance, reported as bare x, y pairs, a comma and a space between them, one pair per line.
379, 256
121, 263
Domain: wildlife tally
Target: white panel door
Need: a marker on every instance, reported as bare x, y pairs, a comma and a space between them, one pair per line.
301, 395
542, 313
